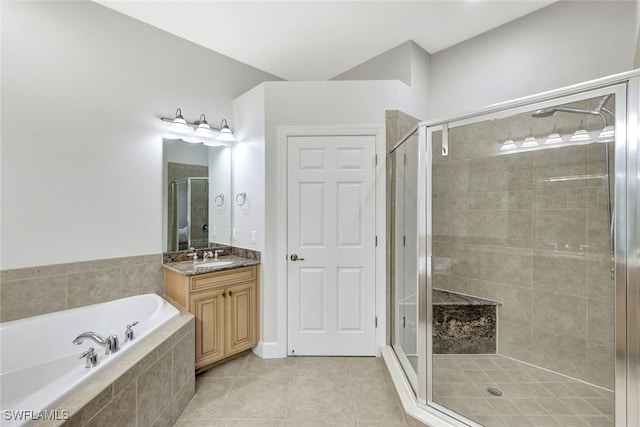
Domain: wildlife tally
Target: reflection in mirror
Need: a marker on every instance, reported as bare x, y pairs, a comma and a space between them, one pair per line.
196, 190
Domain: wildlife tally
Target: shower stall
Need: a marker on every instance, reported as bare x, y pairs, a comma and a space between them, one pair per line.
188, 213
514, 261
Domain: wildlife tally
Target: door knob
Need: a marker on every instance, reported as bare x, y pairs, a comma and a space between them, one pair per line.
294, 257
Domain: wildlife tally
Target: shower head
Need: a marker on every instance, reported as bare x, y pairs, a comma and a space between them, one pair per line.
545, 112
548, 112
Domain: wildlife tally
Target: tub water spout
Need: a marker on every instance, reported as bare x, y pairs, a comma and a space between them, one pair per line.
110, 344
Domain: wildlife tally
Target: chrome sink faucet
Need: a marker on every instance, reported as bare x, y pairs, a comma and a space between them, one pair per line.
193, 254
207, 255
111, 344
217, 253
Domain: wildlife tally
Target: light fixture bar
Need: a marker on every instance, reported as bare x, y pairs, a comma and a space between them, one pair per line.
198, 132
194, 125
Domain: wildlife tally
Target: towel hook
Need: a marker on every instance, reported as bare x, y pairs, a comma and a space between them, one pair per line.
219, 200
241, 198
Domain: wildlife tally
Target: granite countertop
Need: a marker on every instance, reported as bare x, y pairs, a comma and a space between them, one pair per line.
188, 268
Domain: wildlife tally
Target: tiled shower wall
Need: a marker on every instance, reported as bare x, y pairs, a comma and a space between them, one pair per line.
501, 231
32, 291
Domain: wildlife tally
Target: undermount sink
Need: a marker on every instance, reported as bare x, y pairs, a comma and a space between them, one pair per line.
213, 264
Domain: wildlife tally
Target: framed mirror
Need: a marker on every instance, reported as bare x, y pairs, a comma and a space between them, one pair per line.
196, 195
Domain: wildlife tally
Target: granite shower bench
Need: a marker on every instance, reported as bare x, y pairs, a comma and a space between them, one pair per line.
463, 324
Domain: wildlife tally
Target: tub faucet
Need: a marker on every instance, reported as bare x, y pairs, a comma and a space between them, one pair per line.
91, 358
110, 344
128, 334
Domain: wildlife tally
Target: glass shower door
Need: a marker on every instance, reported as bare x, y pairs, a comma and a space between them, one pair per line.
189, 213
404, 257
522, 288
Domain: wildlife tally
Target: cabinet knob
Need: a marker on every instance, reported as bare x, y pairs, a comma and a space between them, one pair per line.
224, 295
230, 293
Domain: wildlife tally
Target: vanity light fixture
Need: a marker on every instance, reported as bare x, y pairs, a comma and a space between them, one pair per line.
530, 141
509, 144
199, 131
553, 138
179, 124
607, 132
203, 128
225, 132
581, 134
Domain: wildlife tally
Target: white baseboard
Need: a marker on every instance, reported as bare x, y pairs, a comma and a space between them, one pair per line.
269, 350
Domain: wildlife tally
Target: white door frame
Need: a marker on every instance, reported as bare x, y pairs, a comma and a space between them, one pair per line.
284, 132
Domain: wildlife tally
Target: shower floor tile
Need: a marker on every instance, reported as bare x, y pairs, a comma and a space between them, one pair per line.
531, 396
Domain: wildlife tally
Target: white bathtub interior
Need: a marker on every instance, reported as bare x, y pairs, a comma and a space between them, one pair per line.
40, 366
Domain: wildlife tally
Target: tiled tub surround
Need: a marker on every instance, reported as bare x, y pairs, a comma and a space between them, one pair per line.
150, 386
38, 290
539, 247
463, 324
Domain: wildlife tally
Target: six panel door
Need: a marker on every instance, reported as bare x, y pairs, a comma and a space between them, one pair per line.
331, 245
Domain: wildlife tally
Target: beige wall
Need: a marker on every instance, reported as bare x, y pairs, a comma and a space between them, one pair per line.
541, 248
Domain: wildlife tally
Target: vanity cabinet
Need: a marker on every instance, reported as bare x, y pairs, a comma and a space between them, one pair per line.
225, 304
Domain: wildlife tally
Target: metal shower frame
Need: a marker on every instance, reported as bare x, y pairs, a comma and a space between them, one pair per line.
626, 88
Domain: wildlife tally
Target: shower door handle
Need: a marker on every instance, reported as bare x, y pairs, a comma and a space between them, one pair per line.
295, 257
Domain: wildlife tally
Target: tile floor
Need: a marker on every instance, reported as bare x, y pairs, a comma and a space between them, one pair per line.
296, 391
531, 396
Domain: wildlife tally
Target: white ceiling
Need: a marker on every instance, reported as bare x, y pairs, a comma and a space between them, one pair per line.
317, 40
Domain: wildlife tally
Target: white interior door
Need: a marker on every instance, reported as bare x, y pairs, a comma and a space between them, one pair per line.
331, 231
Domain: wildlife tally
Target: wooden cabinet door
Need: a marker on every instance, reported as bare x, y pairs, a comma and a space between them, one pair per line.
242, 312
209, 309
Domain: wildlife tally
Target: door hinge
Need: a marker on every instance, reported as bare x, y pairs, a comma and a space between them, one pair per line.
376, 160
376, 240
405, 159
376, 321
404, 240
404, 322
